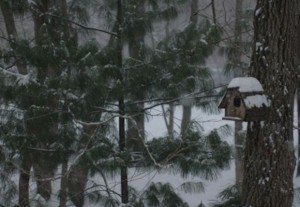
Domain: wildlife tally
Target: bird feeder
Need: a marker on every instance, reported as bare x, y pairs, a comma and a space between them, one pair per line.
245, 100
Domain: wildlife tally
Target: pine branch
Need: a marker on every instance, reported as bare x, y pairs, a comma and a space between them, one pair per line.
2, 37
94, 123
167, 100
202, 9
144, 145
83, 26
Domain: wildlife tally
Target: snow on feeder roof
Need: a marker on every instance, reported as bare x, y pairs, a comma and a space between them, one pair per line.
246, 84
244, 100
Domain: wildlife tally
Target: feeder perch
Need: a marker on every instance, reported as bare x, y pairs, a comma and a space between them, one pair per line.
245, 100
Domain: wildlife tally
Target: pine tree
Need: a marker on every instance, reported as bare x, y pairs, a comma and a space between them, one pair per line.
70, 95
45, 101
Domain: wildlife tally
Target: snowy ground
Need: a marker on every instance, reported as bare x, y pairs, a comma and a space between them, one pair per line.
141, 178
156, 127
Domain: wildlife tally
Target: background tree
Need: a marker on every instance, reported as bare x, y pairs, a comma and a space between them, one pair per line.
76, 86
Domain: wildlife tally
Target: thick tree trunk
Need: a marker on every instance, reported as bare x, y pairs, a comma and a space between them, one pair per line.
63, 183
12, 35
297, 65
43, 172
136, 46
77, 176
136, 128
26, 164
24, 179
77, 179
186, 119
269, 153
57, 30
187, 107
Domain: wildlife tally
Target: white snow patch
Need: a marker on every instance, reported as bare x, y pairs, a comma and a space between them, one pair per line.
256, 101
257, 12
258, 45
246, 84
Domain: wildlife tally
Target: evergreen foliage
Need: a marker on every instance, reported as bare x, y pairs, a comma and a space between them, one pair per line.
197, 155
230, 197
180, 58
63, 109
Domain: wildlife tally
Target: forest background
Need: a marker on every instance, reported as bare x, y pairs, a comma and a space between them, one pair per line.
80, 79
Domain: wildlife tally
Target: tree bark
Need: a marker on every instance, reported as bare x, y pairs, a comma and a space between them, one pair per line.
122, 137
213, 8
47, 69
194, 11
13, 35
269, 153
187, 107
136, 46
63, 183
169, 123
238, 140
24, 179
77, 179
171, 110
186, 119
298, 125
297, 65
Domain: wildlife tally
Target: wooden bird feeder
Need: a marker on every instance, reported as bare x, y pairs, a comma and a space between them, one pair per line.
245, 100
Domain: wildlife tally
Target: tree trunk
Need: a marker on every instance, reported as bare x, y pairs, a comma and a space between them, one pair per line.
171, 110
42, 166
136, 46
187, 107
136, 128
238, 139
77, 179
269, 153
77, 176
213, 8
186, 119
122, 137
194, 11
12, 35
298, 97
169, 123
63, 183
24, 179
298, 124
43, 172
237, 50
171, 120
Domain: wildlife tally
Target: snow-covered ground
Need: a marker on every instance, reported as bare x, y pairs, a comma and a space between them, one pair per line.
141, 178
155, 127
